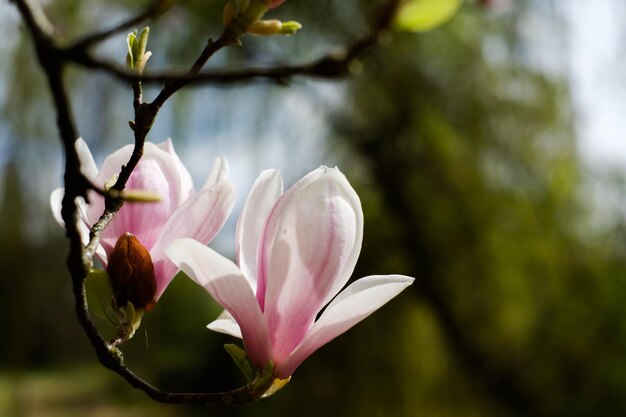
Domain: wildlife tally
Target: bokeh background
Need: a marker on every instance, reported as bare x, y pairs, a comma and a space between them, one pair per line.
488, 155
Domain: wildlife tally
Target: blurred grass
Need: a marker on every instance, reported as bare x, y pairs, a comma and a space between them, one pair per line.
70, 392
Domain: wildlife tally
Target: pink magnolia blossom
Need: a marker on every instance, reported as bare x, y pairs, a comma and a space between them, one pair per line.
295, 252
181, 212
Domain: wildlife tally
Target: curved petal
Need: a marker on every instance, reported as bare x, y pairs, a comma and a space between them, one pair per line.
219, 172
223, 280
56, 203
201, 218
309, 248
352, 305
265, 191
225, 323
186, 183
87, 165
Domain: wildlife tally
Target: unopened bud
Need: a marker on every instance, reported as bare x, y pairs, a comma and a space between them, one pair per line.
265, 27
132, 273
273, 27
137, 55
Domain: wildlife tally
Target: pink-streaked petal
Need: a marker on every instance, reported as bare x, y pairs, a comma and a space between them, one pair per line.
200, 218
144, 220
309, 248
219, 172
87, 165
186, 183
352, 305
225, 323
265, 191
223, 280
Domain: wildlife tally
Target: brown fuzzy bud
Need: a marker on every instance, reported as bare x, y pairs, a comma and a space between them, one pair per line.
132, 273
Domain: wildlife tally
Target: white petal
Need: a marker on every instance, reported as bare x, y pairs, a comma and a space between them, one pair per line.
308, 251
265, 191
87, 164
223, 280
219, 172
352, 305
225, 323
56, 203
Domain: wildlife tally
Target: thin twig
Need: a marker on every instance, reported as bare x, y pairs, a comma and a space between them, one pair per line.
336, 64
76, 186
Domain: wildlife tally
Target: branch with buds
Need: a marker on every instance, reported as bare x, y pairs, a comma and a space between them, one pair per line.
134, 282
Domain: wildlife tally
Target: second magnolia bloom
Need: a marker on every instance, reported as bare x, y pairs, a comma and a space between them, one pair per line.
140, 231
295, 252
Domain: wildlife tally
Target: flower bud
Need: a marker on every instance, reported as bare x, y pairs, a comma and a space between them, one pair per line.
132, 273
137, 55
273, 27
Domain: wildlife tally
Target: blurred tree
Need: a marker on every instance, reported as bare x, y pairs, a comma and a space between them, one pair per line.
471, 183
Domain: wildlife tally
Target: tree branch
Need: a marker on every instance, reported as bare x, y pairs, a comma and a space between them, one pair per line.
79, 259
53, 59
336, 64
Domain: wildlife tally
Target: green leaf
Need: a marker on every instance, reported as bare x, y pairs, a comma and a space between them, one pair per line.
131, 43
142, 42
99, 294
241, 359
423, 15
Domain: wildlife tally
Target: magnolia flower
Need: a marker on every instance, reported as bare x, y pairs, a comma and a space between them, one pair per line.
140, 231
295, 252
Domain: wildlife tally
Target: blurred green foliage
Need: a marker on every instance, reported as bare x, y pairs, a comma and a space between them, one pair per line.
470, 181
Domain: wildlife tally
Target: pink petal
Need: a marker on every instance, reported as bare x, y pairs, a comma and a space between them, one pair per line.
265, 191
223, 280
352, 305
144, 220
219, 172
225, 323
201, 218
309, 247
